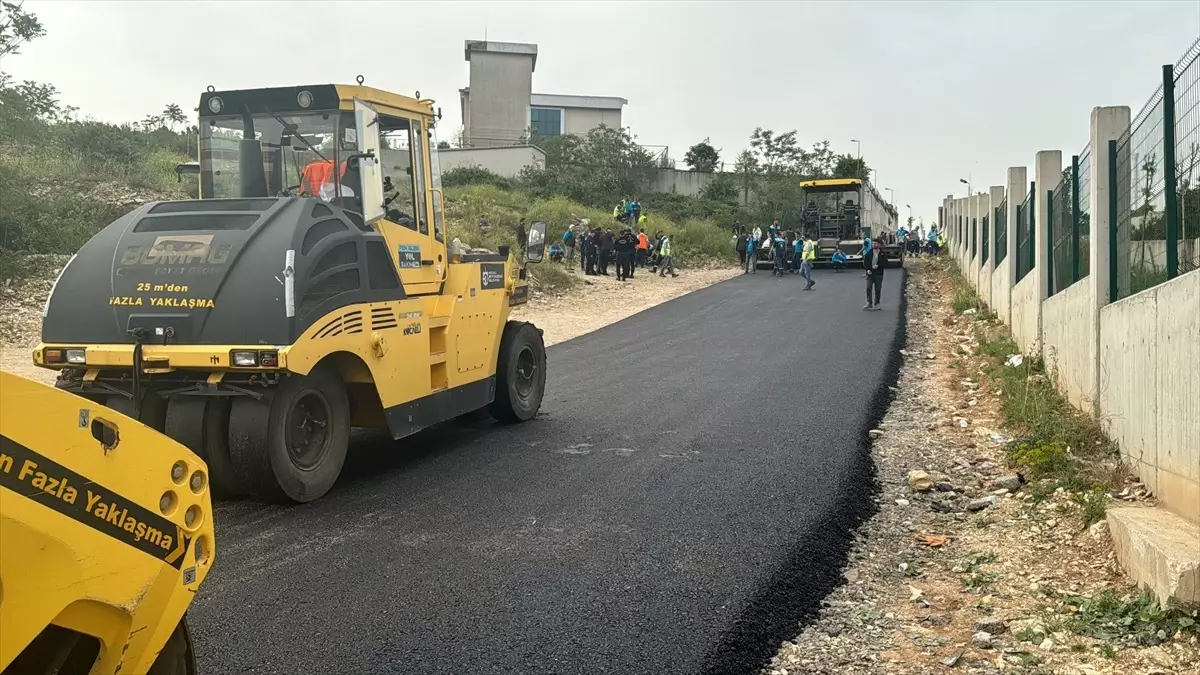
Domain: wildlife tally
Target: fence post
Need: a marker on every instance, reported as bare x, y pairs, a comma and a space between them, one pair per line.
1031, 217
1047, 176
1075, 217
1108, 125
1050, 242
1113, 280
1170, 196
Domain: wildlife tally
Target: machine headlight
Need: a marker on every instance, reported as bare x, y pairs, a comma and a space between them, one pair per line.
304, 98
76, 356
215, 104
244, 359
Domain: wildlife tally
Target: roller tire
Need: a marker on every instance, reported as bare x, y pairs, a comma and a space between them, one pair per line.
202, 424
177, 657
153, 413
258, 438
519, 389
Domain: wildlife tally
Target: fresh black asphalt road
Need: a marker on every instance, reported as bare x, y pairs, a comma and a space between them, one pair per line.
683, 500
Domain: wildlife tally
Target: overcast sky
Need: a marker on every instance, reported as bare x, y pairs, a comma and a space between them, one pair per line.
934, 90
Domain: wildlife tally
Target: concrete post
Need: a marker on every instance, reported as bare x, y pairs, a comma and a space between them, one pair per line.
995, 196
1048, 168
1018, 183
1108, 124
976, 202
1047, 176
964, 248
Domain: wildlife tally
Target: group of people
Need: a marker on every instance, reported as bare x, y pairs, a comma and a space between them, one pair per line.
795, 252
599, 248
629, 212
791, 252
918, 240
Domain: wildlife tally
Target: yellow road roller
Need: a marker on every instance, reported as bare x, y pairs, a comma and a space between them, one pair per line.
310, 289
105, 535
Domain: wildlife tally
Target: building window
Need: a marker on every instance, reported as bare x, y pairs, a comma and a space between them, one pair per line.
547, 122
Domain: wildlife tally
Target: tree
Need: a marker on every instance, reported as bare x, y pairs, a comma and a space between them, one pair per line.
848, 166
598, 169
721, 189
173, 114
702, 157
746, 167
17, 27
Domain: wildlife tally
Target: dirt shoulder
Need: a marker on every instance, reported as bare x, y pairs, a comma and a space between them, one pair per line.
967, 566
593, 303
598, 301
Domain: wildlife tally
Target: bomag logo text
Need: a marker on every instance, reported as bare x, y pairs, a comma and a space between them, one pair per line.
413, 328
179, 249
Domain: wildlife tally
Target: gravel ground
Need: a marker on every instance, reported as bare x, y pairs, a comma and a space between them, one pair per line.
934, 587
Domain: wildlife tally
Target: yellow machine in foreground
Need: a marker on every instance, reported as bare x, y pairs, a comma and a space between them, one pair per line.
105, 535
309, 290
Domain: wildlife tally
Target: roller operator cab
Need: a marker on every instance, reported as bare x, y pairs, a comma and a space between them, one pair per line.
309, 290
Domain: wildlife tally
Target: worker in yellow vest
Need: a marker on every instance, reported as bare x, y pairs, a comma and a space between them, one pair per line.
664, 252
808, 255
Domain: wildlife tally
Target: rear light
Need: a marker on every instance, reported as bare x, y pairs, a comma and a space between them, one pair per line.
244, 359
72, 355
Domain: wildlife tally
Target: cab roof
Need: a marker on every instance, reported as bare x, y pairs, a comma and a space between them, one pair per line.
323, 97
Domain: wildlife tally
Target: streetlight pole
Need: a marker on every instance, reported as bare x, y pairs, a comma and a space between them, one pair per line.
860, 164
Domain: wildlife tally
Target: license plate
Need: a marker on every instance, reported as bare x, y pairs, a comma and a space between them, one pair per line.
854, 257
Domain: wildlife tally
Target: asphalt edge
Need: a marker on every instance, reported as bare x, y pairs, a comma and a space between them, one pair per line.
791, 598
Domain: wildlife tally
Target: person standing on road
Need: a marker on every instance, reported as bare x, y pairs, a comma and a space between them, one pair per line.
750, 264
740, 248
593, 251
874, 263
664, 250
643, 247
778, 253
625, 245
808, 255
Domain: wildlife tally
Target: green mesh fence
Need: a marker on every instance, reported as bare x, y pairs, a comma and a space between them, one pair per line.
1187, 158
1149, 244
1084, 220
1025, 236
984, 238
1059, 226
1000, 225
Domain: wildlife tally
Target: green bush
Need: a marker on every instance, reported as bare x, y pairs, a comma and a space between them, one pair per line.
475, 175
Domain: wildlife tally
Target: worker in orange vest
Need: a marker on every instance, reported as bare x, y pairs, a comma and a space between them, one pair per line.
643, 247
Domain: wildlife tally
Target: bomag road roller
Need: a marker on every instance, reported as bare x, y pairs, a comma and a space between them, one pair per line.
307, 291
105, 535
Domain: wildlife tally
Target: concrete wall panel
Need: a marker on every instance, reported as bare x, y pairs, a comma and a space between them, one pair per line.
1067, 332
1128, 361
1025, 313
1178, 387
1000, 294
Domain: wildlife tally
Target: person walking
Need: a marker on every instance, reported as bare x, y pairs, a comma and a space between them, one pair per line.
664, 250
750, 263
874, 262
778, 253
740, 248
643, 247
625, 245
807, 256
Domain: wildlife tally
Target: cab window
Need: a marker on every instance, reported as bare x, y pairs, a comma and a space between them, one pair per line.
395, 142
